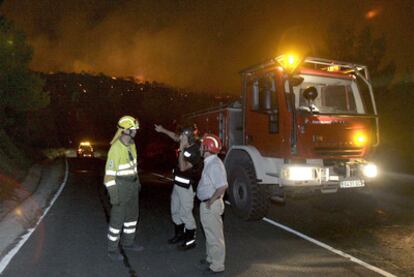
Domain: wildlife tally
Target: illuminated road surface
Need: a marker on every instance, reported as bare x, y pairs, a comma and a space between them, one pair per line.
71, 240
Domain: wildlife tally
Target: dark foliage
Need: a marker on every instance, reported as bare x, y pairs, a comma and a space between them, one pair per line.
87, 107
394, 96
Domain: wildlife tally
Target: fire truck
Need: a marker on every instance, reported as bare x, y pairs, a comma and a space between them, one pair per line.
303, 126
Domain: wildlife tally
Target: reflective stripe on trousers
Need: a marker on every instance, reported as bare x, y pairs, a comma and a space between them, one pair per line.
124, 217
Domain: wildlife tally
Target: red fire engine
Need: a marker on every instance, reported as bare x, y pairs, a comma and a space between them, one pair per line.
302, 126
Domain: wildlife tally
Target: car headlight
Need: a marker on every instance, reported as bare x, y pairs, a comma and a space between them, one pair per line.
298, 173
370, 170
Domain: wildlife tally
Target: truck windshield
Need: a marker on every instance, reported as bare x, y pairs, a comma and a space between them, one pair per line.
335, 96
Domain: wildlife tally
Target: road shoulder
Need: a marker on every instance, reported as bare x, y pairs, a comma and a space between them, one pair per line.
33, 197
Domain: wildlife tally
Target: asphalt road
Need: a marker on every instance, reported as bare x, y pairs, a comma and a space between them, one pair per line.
71, 240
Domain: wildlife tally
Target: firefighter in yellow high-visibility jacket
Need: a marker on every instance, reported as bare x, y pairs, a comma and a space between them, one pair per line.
123, 185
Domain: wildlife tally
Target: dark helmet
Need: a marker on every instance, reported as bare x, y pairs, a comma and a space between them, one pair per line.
191, 134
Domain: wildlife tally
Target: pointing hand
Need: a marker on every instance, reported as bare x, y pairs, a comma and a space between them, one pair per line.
158, 128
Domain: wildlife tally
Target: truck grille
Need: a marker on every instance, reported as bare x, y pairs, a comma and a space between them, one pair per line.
338, 151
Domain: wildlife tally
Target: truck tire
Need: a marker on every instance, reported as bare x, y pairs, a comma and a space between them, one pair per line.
249, 200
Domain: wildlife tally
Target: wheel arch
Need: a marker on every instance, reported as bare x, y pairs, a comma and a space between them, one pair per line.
261, 165
249, 199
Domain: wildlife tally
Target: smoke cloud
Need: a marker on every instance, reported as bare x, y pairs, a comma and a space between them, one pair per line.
200, 45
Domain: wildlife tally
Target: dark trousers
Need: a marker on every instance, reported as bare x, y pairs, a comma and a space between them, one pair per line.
124, 217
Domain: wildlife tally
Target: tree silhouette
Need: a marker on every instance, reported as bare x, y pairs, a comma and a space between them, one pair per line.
394, 97
20, 89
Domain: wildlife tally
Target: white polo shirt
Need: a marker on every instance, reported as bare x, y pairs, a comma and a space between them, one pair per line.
213, 177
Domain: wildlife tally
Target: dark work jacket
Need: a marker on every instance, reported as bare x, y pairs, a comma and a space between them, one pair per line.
191, 176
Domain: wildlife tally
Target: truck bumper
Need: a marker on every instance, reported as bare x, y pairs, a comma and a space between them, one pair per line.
326, 179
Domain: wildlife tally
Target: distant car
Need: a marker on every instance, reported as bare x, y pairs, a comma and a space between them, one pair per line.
85, 150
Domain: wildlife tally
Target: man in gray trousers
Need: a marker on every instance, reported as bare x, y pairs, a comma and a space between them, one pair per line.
186, 176
210, 191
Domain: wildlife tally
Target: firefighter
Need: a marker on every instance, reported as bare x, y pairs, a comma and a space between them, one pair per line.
186, 176
210, 191
123, 185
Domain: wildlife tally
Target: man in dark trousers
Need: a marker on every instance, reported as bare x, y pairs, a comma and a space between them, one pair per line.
186, 176
122, 182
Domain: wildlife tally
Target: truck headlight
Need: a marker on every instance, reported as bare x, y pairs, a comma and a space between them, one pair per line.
298, 173
370, 170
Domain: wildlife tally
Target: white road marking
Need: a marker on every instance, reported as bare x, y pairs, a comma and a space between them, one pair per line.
329, 248
325, 246
314, 241
9, 256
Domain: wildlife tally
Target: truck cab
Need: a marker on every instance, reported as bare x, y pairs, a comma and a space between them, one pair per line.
305, 126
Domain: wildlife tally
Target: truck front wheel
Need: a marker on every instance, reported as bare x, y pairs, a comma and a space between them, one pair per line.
249, 199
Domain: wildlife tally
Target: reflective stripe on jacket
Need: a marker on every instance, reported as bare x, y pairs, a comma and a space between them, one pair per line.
121, 161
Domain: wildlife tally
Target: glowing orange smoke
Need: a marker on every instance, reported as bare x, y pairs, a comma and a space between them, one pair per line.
372, 13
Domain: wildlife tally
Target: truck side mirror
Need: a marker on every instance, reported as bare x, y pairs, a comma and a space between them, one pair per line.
310, 93
296, 80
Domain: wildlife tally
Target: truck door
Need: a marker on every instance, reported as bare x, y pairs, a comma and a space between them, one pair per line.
262, 115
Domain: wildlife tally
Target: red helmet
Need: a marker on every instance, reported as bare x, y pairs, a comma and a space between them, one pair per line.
211, 143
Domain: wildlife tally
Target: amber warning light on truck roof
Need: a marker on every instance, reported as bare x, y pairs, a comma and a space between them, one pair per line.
289, 62
333, 68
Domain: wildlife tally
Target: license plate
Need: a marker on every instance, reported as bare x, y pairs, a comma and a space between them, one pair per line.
352, 183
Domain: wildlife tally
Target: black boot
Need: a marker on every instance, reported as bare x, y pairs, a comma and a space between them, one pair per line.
115, 255
135, 247
190, 240
178, 234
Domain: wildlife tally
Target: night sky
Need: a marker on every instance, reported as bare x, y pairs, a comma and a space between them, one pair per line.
195, 44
